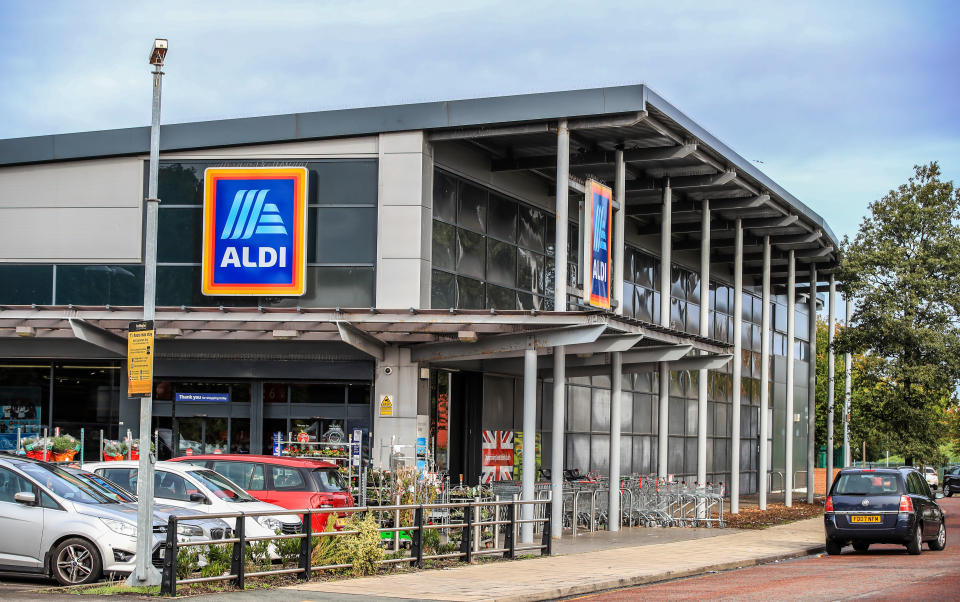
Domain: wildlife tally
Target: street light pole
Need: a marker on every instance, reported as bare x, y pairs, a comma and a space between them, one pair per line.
146, 573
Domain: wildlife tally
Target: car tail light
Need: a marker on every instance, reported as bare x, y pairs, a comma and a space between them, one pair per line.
906, 504
828, 506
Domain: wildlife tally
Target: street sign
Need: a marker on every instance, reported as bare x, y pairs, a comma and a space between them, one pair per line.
254, 231
356, 447
386, 405
277, 445
140, 359
596, 244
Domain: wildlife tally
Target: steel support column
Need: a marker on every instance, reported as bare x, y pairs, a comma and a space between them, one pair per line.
812, 387
764, 379
529, 460
704, 331
846, 388
791, 374
619, 219
831, 377
737, 368
616, 388
557, 445
665, 270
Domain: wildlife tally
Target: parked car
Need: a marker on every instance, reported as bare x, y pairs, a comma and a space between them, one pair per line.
56, 524
881, 505
951, 481
203, 491
292, 483
930, 474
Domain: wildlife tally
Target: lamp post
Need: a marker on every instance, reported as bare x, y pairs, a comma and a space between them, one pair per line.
146, 573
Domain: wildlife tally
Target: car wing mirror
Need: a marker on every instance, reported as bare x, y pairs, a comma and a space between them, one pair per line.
199, 498
26, 498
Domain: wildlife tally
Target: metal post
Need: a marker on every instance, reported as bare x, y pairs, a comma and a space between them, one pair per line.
466, 537
619, 219
665, 270
416, 550
529, 464
831, 378
812, 387
306, 547
764, 378
168, 581
791, 334
83, 450
559, 304
737, 369
145, 573
704, 326
238, 553
557, 444
563, 184
846, 389
616, 387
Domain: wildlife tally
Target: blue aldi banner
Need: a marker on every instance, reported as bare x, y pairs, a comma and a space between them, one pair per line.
254, 231
596, 244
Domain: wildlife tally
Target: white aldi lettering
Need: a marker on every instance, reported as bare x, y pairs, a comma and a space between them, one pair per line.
266, 258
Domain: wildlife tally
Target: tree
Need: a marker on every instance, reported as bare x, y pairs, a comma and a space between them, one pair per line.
903, 269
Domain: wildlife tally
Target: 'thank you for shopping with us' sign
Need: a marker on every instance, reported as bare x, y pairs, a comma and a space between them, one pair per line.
596, 244
254, 231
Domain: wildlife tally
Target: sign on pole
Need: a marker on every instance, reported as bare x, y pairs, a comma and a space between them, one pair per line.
140, 359
596, 244
254, 231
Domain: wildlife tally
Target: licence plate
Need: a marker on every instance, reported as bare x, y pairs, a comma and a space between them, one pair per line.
865, 519
163, 551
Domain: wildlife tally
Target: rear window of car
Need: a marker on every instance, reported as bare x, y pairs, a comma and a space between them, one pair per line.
287, 478
329, 480
867, 484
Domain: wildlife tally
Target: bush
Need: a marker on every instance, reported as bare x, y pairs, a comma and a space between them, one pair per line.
288, 549
360, 550
188, 562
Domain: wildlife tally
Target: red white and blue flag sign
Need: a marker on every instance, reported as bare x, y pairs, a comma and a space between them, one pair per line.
596, 244
496, 460
254, 231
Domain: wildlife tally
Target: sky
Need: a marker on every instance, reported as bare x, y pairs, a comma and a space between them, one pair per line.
836, 101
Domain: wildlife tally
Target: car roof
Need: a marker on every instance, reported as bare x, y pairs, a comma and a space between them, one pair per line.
174, 466
275, 460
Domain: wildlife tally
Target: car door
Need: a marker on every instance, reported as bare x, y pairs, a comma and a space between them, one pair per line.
289, 486
21, 525
921, 502
248, 475
931, 520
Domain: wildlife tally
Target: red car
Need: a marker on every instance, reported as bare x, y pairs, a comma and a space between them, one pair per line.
291, 483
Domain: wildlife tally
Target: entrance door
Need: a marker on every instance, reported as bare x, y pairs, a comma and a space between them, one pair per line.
203, 436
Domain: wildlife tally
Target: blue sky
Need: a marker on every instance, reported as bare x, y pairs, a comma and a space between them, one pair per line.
838, 100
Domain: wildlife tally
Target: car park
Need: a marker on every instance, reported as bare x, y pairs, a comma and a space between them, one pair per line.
951, 481
292, 483
867, 506
202, 491
56, 524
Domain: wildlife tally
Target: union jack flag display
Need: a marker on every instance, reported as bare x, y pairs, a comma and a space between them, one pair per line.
496, 456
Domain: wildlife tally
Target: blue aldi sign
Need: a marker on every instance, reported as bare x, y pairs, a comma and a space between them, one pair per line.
596, 244
254, 231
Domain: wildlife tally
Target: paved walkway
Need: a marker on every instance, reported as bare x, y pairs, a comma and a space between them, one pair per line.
580, 573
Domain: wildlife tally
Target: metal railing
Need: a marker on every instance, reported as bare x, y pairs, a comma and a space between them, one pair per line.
238, 573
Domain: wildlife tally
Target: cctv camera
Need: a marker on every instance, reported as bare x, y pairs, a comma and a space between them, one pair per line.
388, 370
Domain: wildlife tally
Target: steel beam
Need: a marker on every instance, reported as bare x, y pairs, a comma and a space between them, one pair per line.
616, 394
831, 376
764, 379
737, 369
685, 182
596, 158
704, 329
495, 345
358, 339
606, 344
846, 386
812, 388
619, 225
791, 373
528, 461
95, 335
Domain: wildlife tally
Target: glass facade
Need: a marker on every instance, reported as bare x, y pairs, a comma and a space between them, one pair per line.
341, 247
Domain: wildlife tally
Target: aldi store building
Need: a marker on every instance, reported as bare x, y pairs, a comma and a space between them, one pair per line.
443, 289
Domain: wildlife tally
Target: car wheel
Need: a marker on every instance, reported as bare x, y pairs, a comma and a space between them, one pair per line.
915, 545
947, 492
941, 541
834, 548
861, 546
76, 561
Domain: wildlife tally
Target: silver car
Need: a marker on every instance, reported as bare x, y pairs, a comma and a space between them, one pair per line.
54, 523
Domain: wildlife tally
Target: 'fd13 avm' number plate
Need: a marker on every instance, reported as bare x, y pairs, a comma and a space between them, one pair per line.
864, 518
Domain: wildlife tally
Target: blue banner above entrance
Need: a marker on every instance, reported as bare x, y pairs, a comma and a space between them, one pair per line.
214, 397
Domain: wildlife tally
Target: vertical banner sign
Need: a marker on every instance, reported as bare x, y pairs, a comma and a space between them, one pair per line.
496, 461
596, 244
140, 359
254, 231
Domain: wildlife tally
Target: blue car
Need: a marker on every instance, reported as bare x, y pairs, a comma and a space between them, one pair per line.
883, 505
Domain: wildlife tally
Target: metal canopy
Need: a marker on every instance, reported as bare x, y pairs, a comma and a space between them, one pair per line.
495, 345
353, 336
98, 336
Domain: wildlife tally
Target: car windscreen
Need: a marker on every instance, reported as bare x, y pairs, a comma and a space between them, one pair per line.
866, 483
68, 486
221, 487
108, 487
329, 480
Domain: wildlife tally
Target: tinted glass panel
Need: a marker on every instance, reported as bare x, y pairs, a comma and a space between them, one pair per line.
469, 293
343, 182
501, 298
99, 284
501, 263
530, 271
180, 285
502, 218
346, 234
444, 197
317, 393
332, 287
473, 207
470, 254
26, 284
443, 290
180, 183
531, 228
179, 235
444, 245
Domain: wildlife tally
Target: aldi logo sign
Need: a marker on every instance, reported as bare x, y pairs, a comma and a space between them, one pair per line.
254, 231
596, 244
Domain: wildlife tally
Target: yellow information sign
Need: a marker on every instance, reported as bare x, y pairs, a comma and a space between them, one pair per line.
140, 359
386, 405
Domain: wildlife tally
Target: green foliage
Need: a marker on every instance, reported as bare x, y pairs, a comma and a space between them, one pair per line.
903, 269
360, 550
188, 562
288, 549
431, 541
217, 558
257, 555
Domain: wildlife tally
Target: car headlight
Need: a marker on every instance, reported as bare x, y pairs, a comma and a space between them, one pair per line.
270, 522
121, 527
189, 530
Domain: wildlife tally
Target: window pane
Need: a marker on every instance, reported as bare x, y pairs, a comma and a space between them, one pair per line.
180, 183
530, 271
337, 287
99, 284
501, 298
26, 284
179, 234
345, 234
358, 394
470, 253
286, 478
469, 293
501, 263
444, 245
443, 291
600, 409
578, 414
473, 207
274, 393
180, 285
318, 393
531, 228
503, 219
444, 197
343, 182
